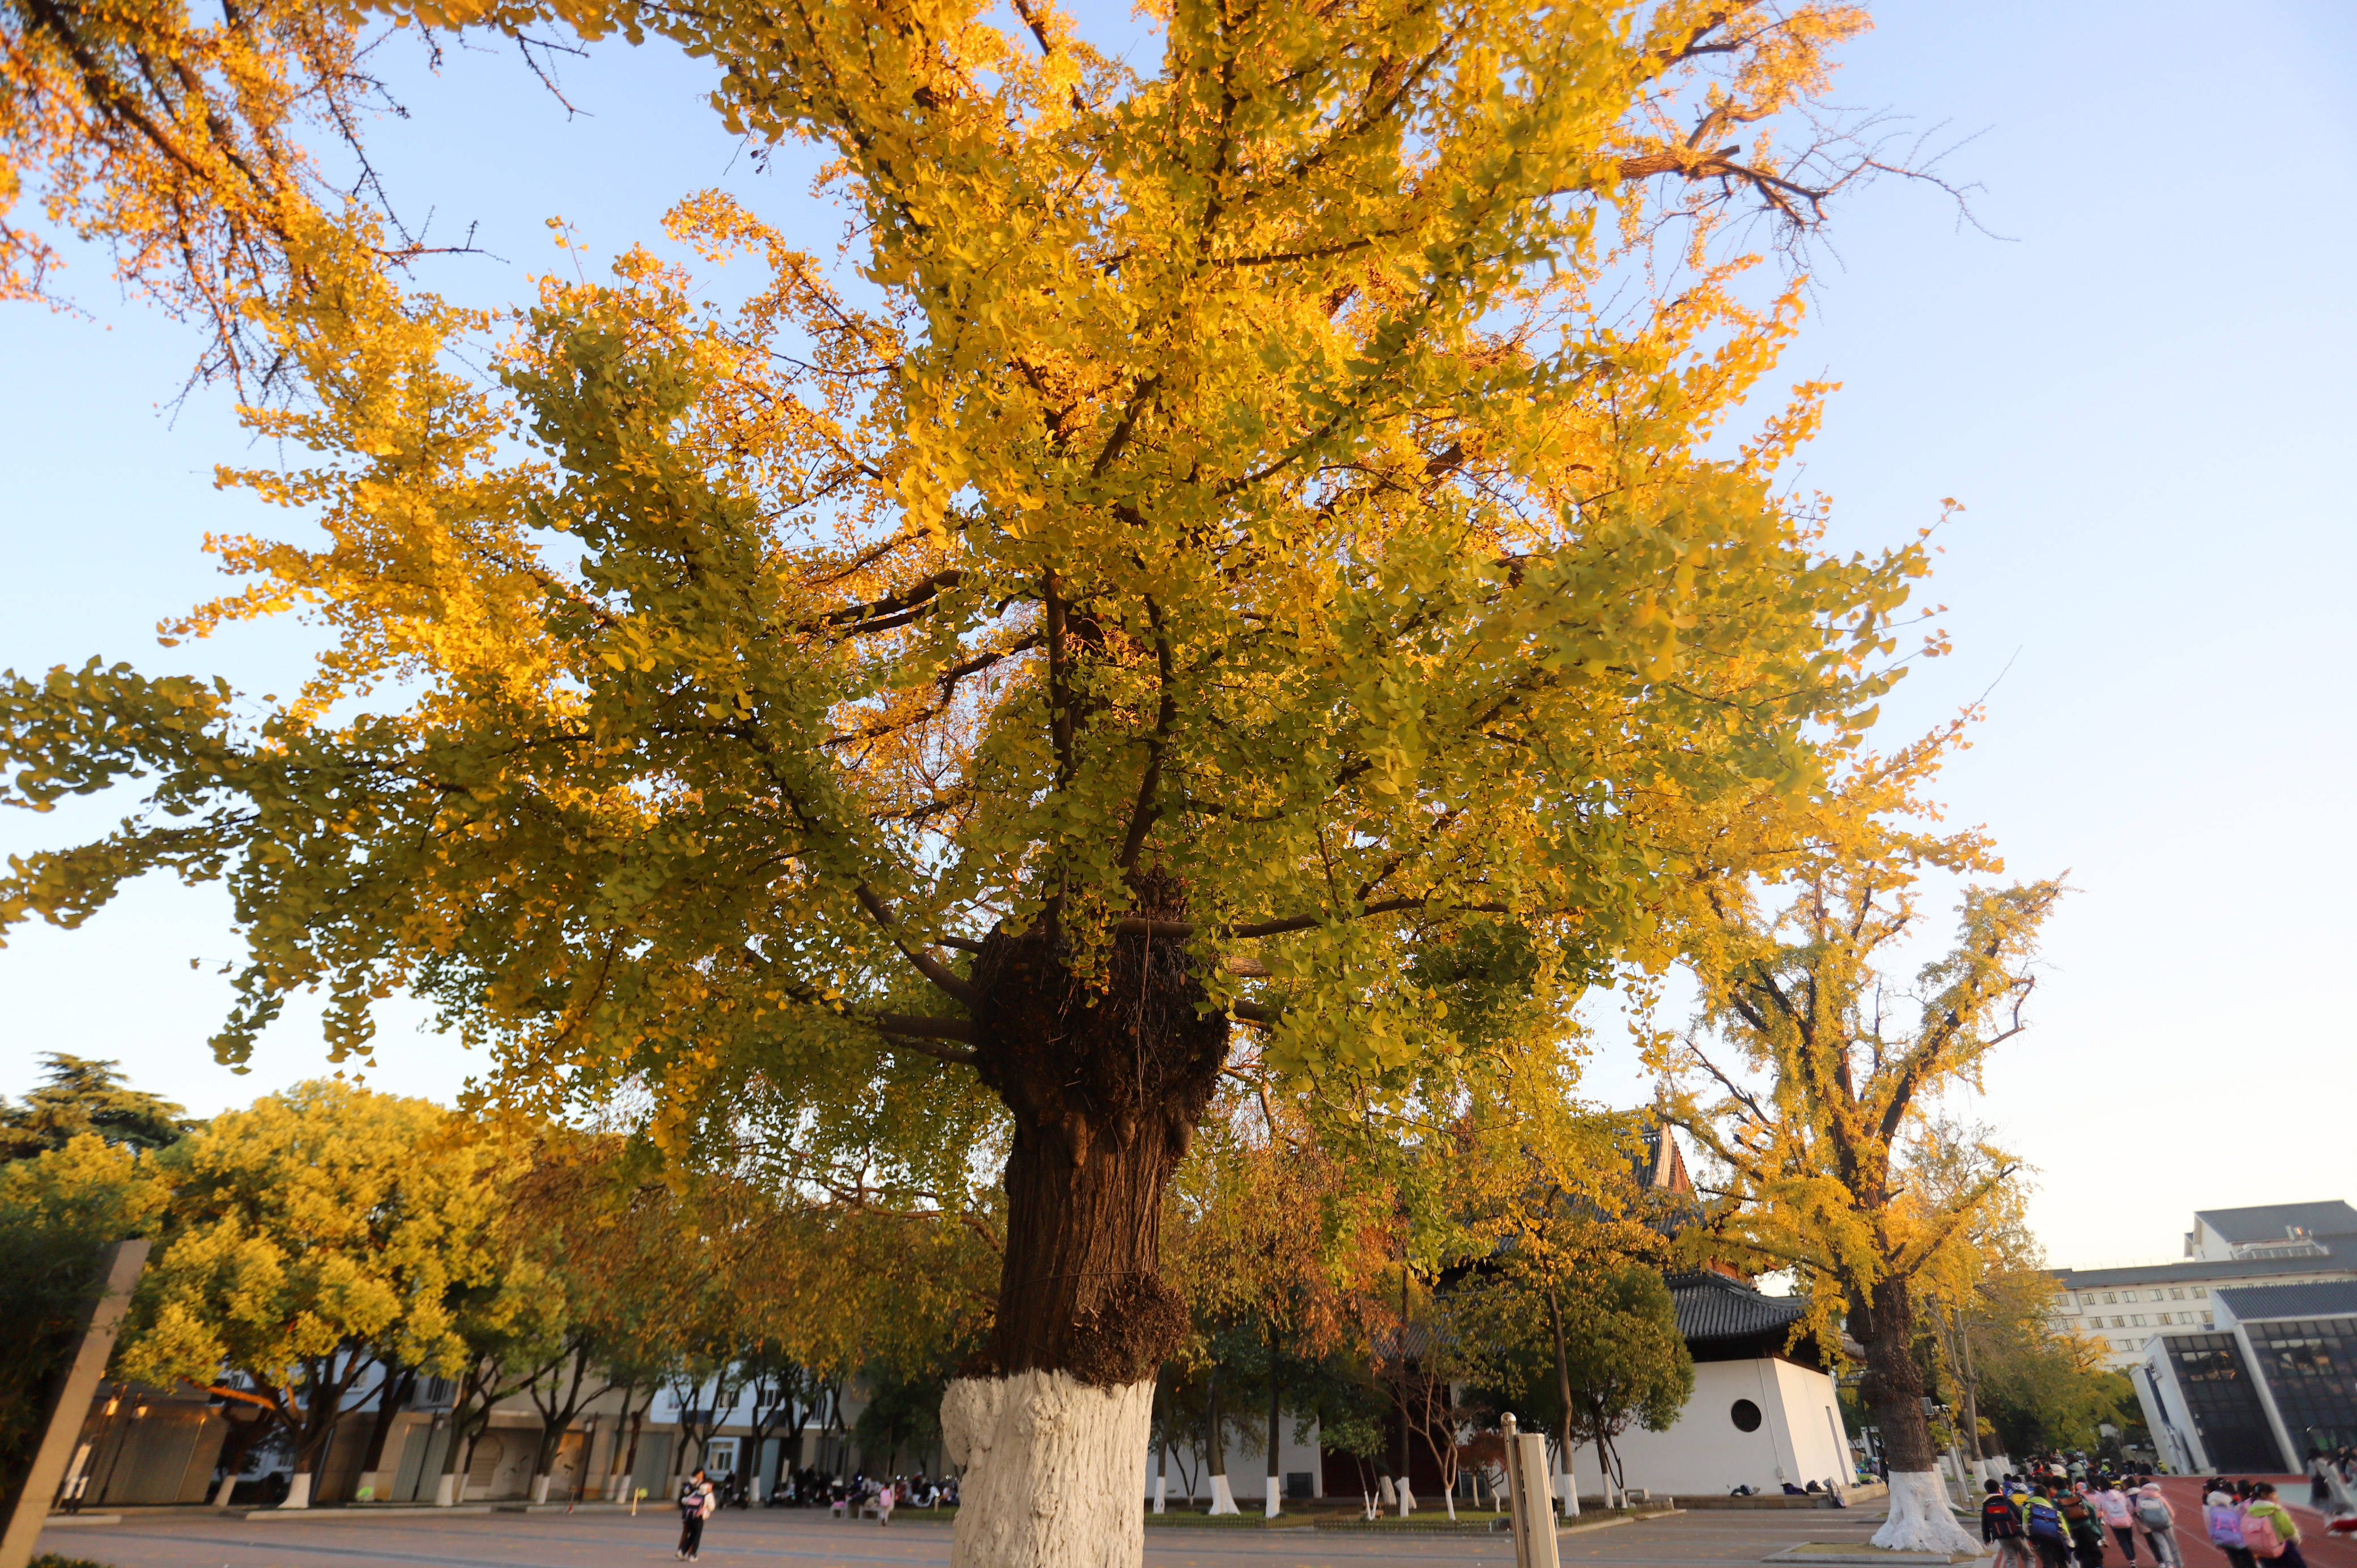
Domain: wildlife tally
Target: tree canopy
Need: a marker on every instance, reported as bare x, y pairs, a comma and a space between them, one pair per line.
1269, 536
83, 1096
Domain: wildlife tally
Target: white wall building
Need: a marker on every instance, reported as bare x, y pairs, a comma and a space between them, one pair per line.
1762, 1415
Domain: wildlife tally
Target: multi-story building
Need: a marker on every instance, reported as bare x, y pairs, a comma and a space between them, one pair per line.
2276, 1379
2125, 1309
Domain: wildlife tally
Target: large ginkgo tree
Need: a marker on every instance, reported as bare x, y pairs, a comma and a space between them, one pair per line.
1241, 548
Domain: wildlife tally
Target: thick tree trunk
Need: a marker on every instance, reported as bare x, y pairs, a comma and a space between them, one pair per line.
1919, 1519
1105, 1082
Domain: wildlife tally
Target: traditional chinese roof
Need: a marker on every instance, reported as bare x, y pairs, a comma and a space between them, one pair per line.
1727, 1320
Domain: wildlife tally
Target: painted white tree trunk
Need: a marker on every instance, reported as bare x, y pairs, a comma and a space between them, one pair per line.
1568, 1490
1406, 1498
1052, 1471
446, 1491
1275, 1498
1161, 1489
1919, 1518
298, 1490
1383, 1493
539, 1485
617, 1487
221, 1495
1223, 1497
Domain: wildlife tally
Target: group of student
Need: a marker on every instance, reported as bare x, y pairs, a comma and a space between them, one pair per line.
2048, 1523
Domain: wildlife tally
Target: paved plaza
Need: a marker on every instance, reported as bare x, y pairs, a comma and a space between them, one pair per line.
765, 1539
791, 1538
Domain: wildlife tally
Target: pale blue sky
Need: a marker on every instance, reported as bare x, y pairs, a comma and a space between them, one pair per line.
2142, 393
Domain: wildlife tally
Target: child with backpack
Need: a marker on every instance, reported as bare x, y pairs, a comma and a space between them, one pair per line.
2158, 1524
2086, 1531
2223, 1517
2043, 1522
2113, 1504
2269, 1530
2001, 1528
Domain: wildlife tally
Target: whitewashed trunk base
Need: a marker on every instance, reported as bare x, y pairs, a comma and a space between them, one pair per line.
222, 1493
1406, 1498
1385, 1495
1223, 1497
446, 1491
617, 1488
1161, 1489
1921, 1520
1276, 1503
1052, 1471
298, 1490
539, 1485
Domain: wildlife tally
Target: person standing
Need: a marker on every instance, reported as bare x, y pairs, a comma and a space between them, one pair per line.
2086, 1531
696, 1503
2043, 1523
886, 1496
2118, 1516
2158, 1523
2001, 1528
2223, 1517
2269, 1530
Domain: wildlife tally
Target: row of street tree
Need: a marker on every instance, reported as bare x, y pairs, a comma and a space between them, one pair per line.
1398, 1290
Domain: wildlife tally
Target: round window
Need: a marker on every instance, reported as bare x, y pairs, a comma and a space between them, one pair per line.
1746, 1416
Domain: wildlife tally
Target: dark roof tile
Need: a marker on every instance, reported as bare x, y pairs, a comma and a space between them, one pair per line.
2336, 1299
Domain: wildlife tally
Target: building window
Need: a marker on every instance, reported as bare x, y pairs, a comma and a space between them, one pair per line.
2135, 1320
2164, 1317
2087, 1298
2176, 1294
1746, 1416
2111, 1298
2309, 1366
2201, 1292
2205, 1320
2119, 1323
2224, 1406
2157, 1297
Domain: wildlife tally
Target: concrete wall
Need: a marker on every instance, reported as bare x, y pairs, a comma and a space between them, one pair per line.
1248, 1467
1799, 1437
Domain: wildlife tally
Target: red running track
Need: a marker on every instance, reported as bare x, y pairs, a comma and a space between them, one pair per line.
2184, 1495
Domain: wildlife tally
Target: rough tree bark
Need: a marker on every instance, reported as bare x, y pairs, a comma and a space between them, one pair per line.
1919, 1518
1105, 1082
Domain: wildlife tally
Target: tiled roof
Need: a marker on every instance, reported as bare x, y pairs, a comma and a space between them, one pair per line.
1712, 1306
2336, 1299
2275, 1221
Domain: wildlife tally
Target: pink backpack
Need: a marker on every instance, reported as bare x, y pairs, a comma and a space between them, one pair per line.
2260, 1535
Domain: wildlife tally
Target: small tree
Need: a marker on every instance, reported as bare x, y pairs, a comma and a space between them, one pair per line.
308, 1237
1812, 1091
1624, 1362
